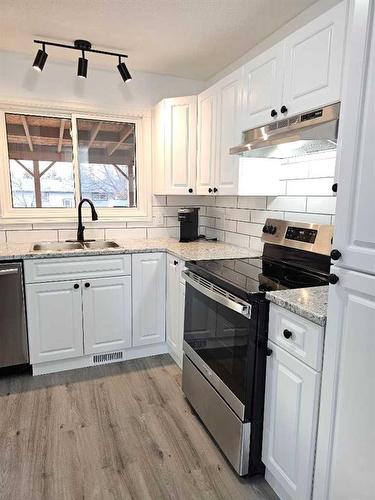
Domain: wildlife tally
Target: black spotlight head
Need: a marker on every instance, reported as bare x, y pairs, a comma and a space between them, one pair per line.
82, 67
40, 60
124, 72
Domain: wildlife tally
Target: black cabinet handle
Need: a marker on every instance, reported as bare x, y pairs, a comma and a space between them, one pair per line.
215, 190
333, 279
210, 190
334, 187
76, 285
283, 109
335, 254
175, 262
273, 113
87, 285
287, 334
268, 351
190, 190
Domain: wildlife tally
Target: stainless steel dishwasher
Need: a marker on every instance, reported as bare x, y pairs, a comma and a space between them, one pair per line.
13, 333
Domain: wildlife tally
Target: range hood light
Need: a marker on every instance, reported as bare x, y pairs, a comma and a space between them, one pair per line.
82, 66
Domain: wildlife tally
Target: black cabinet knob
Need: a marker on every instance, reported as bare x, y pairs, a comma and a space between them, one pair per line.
283, 109
215, 190
175, 262
287, 334
333, 279
87, 285
76, 286
210, 190
334, 187
335, 254
268, 351
190, 190
273, 113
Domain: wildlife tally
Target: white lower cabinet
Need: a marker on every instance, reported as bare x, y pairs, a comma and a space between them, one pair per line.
291, 409
149, 293
54, 315
107, 314
175, 308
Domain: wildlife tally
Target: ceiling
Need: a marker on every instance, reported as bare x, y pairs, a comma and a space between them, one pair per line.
187, 38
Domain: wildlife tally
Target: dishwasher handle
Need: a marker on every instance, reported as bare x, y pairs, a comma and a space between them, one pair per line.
6, 272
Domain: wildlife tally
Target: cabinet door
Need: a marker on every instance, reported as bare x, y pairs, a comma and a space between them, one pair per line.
149, 294
346, 436
175, 308
207, 111
354, 234
313, 62
262, 88
180, 121
290, 417
54, 318
107, 314
229, 95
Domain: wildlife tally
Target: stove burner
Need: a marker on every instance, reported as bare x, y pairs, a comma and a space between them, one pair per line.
303, 279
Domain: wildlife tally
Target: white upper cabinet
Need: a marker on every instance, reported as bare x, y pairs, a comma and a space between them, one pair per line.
229, 95
149, 298
313, 62
262, 88
174, 136
107, 314
354, 234
207, 112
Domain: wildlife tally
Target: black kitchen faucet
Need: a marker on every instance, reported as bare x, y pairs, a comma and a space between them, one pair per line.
81, 227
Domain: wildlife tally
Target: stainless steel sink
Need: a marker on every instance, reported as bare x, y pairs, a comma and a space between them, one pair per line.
99, 244
57, 246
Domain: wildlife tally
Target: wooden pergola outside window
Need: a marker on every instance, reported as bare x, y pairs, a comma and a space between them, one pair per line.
40, 151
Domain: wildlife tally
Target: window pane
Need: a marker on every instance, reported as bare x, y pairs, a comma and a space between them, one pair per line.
40, 161
106, 152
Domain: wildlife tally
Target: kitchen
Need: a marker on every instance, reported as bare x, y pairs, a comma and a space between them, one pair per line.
187, 250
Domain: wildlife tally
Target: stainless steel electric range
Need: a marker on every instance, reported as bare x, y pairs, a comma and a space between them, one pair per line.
225, 332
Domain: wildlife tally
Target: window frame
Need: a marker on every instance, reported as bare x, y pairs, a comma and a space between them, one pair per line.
142, 121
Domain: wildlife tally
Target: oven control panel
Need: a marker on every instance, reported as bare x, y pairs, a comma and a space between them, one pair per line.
311, 237
301, 234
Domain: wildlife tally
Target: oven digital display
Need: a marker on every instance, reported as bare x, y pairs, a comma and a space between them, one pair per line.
301, 234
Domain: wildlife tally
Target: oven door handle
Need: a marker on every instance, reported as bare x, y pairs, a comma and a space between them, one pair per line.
237, 305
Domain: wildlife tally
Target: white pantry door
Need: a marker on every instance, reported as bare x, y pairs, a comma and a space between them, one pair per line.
107, 314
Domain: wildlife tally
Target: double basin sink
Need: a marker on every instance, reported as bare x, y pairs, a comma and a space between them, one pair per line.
58, 246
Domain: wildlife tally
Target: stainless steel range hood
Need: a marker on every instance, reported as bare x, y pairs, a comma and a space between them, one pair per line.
307, 133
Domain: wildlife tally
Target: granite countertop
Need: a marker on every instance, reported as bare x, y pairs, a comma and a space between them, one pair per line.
196, 250
310, 303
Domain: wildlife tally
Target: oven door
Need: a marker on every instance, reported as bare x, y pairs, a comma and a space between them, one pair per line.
220, 339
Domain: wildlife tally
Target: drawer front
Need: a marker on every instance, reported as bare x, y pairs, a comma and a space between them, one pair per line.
296, 335
66, 268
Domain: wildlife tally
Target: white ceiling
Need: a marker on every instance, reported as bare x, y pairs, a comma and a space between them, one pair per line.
187, 38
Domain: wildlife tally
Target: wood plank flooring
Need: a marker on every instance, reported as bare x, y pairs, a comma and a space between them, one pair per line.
120, 431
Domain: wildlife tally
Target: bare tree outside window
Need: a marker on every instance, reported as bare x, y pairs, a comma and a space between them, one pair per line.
40, 161
106, 154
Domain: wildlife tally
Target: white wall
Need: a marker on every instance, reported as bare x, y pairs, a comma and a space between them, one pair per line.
103, 88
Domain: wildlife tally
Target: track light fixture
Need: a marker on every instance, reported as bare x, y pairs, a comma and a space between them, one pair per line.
83, 46
40, 58
123, 70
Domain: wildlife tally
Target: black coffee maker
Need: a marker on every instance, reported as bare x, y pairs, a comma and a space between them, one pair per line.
188, 218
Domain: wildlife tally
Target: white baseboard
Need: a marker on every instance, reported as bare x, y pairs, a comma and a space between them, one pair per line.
276, 486
177, 357
85, 361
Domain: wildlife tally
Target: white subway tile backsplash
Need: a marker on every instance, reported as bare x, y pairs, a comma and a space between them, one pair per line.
163, 232
90, 234
257, 202
226, 201
260, 216
256, 243
307, 217
250, 228
2, 237
125, 234
310, 187
322, 205
240, 240
290, 203
31, 236
215, 212
215, 233
172, 222
228, 225
237, 214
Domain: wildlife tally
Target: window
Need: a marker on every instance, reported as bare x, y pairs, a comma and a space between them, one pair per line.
106, 155
40, 160
54, 161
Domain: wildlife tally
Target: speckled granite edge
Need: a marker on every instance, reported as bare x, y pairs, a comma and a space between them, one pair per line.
310, 303
197, 250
